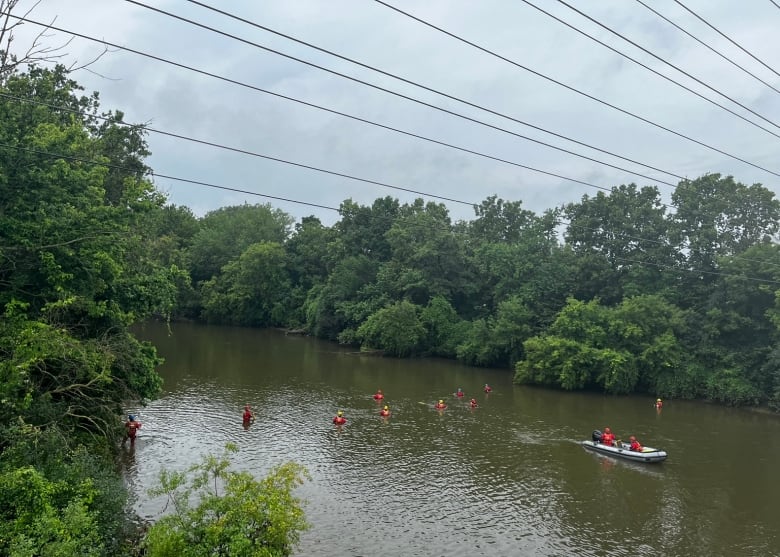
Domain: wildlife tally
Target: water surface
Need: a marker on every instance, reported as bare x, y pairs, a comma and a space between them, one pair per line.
506, 478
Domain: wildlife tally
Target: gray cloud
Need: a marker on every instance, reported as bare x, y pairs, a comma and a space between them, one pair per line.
183, 102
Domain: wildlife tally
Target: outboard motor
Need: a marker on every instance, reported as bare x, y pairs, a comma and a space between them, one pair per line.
596, 436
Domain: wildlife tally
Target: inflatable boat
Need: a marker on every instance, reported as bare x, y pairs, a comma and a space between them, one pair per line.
622, 450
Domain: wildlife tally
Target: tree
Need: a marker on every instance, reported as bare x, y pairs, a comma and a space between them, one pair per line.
328, 306
500, 221
217, 511
634, 345
251, 290
444, 329
361, 230
226, 232
395, 329
75, 272
422, 239
622, 241
717, 217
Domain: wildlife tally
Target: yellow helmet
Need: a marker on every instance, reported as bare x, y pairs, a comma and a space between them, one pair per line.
441, 402
387, 408
659, 400
339, 413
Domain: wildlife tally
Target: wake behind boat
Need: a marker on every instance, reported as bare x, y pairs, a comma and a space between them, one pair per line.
623, 450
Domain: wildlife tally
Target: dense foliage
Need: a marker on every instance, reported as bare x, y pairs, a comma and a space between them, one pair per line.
618, 292
217, 511
76, 269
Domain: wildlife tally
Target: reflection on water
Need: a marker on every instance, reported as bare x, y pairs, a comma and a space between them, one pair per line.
506, 478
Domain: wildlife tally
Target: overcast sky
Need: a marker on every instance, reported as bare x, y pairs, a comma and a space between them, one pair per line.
185, 102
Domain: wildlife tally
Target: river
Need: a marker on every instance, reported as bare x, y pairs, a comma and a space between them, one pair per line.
506, 478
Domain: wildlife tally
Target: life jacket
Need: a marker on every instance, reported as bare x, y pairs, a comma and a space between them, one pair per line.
132, 428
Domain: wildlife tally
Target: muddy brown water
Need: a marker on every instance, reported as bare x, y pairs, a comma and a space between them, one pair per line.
506, 478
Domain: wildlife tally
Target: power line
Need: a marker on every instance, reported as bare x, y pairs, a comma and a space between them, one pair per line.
259, 89
293, 163
159, 175
729, 39
569, 87
252, 153
648, 68
259, 155
775, 3
450, 229
458, 99
729, 60
660, 59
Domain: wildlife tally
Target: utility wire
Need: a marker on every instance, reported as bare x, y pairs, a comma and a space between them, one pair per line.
729, 60
648, 68
660, 59
159, 175
247, 152
84, 114
402, 79
729, 39
429, 105
288, 162
775, 3
449, 229
569, 87
259, 89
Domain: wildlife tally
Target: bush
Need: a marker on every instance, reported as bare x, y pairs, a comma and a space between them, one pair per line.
236, 515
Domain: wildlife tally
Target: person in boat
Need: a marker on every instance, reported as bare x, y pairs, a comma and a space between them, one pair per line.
659, 403
378, 395
635, 446
473, 402
460, 393
248, 416
608, 438
487, 388
339, 418
131, 429
385, 411
440, 405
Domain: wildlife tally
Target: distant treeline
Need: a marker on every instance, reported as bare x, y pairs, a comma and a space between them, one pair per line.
618, 293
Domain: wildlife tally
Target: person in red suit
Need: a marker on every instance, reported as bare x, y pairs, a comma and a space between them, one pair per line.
378, 395
339, 418
635, 446
608, 438
385, 411
131, 429
248, 416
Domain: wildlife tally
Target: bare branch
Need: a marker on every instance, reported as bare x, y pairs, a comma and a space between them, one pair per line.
38, 51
